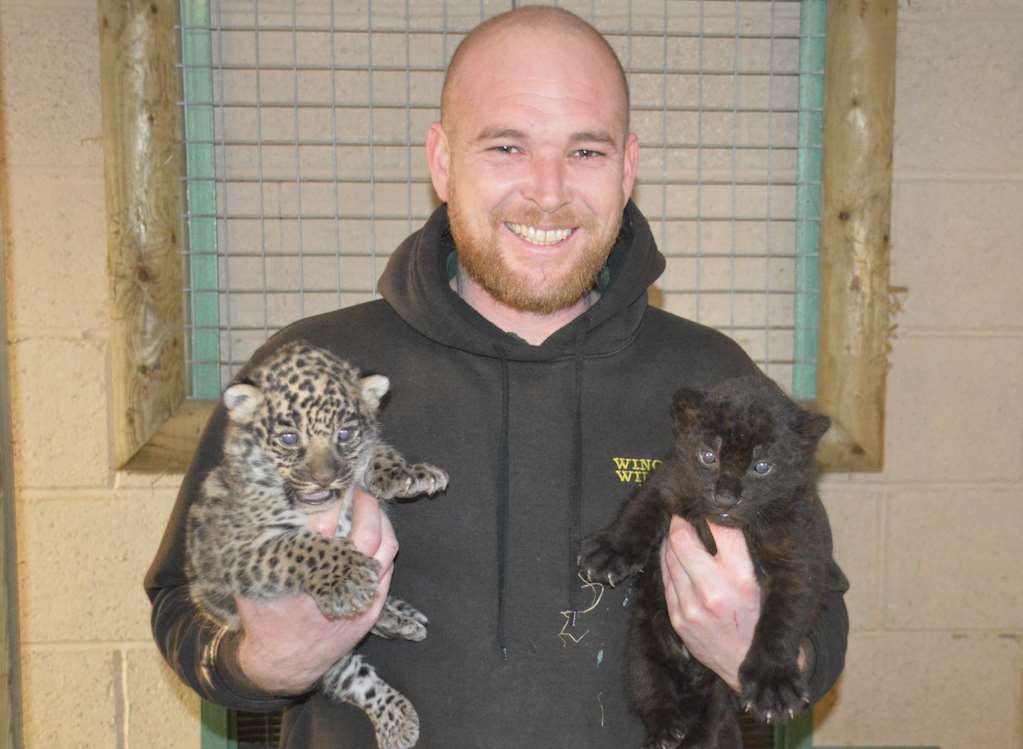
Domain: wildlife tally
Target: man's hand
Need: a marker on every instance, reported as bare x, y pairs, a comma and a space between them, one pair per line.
287, 644
713, 601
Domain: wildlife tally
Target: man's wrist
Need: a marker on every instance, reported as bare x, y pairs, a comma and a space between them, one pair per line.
267, 674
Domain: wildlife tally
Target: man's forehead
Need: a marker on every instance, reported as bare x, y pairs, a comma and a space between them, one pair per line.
498, 93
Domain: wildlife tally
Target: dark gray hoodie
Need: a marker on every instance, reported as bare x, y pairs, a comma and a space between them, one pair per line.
543, 444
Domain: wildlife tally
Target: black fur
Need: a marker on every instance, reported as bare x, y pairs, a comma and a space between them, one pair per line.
723, 435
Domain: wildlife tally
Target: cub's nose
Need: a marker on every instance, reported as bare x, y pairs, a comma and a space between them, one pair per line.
727, 492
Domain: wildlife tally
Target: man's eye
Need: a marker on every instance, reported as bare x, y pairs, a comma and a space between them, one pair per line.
506, 149
587, 153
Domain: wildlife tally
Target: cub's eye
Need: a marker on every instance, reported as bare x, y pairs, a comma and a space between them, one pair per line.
345, 434
707, 456
288, 438
762, 467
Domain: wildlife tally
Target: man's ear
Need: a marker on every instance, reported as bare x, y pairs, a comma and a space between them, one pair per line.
631, 165
438, 158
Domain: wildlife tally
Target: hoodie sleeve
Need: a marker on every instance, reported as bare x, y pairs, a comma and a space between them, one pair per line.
827, 640
203, 655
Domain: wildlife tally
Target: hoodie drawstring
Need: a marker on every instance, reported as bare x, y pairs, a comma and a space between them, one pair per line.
503, 501
504, 494
576, 500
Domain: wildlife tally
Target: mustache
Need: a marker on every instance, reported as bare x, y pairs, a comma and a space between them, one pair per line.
561, 219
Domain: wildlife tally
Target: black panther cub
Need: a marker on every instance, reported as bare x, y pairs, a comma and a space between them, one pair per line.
743, 457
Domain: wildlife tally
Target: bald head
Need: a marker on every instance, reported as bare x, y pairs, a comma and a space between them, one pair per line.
532, 19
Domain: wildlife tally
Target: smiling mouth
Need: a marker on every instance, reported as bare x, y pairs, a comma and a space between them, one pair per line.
541, 237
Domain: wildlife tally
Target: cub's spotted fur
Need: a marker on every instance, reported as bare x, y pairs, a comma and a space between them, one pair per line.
302, 433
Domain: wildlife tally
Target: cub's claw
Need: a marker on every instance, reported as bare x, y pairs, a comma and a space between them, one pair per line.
601, 561
349, 590
770, 691
408, 481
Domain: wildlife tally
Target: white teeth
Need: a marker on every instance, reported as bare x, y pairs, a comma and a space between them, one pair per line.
539, 236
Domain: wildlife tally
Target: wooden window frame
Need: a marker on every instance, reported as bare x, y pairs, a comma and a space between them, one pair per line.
155, 428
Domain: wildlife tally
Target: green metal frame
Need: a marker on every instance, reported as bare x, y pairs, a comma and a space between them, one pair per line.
813, 26
203, 305
216, 727
10, 646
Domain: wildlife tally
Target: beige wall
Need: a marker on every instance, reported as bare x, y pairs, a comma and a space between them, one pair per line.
932, 545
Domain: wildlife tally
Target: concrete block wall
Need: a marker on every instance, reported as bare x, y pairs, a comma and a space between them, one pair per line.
932, 544
91, 676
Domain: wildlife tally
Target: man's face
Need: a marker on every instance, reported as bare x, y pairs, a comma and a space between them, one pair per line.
536, 166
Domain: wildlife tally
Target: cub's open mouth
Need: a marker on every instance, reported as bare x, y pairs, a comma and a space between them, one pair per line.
317, 498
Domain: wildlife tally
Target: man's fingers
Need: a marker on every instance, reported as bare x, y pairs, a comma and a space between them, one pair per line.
325, 522
372, 532
688, 549
732, 550
678, 587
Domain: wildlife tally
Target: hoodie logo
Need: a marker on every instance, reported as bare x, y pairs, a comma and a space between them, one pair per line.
634, 470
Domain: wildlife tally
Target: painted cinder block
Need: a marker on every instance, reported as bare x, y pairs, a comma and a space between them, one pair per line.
50, 64
954, 409
57, 249
60, 410
70, 698
161, 713
956, 691
953, 70
953, 558
956, 247
858, 533
92, 589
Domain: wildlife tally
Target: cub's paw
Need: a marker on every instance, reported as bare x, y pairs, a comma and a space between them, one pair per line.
397, 724
403, 480
671, 737
349, 586
772, 692
600, 560
401, 620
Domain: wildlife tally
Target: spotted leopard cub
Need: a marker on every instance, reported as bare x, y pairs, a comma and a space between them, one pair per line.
302, 433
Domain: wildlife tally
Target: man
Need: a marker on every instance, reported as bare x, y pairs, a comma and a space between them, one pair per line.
526, 362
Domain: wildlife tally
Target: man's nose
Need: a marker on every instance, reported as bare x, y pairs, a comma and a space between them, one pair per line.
547, 186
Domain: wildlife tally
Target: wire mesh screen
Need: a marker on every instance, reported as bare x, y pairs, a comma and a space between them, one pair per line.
305, 123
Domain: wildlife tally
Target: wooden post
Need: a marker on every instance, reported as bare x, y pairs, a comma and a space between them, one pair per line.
855, 218
144, 166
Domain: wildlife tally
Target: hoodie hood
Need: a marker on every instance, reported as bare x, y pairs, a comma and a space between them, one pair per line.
415, 284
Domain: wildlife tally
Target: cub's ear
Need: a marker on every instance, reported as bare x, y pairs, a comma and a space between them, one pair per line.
684, 408
242, 401
810, 425
373, 389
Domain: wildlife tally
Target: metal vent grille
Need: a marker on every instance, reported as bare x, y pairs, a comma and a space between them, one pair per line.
263, 731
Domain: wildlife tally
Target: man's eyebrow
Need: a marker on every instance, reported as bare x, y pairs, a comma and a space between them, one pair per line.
598, 136
500, 133
583, 136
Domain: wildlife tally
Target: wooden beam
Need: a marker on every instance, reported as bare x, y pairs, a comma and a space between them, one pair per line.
144, 165
172, 446
855, 219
